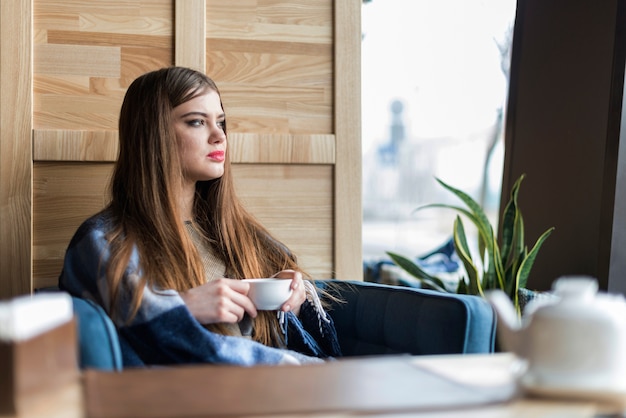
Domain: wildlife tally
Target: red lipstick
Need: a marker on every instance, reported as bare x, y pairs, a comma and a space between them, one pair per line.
217, 155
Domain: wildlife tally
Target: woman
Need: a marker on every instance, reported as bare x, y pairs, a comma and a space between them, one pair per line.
166, 256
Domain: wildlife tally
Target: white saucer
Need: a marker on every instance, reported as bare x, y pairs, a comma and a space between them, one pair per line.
597, 394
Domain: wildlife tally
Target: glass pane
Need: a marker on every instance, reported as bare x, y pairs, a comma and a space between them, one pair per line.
434, 86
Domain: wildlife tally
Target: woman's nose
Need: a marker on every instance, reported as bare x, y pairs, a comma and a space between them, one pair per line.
216, 135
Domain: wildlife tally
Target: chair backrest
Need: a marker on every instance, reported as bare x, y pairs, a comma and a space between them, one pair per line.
99, 346
383, 319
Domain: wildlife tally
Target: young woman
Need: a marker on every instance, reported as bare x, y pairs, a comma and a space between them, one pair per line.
166, 257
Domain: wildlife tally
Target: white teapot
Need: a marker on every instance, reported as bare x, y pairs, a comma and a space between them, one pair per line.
574, 341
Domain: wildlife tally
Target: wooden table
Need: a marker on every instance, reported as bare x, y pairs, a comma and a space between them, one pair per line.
344, 388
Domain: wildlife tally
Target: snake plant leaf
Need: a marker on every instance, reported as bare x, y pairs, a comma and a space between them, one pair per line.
486, 239
510, 275
497, 266
517, 253
483, 222
482, 247
461, 288
482, 232
464, 211
473, 285
417, 272
482, 238
518, 249
515, 285
490, 273
511, 212
528, 261
460, 239
489, 267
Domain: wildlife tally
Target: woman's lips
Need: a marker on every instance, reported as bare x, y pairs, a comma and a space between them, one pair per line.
216, 155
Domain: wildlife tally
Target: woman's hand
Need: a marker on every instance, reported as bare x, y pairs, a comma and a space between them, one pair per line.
219, 301
298, 293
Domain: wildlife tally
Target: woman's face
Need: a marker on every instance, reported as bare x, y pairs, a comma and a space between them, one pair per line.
199, 125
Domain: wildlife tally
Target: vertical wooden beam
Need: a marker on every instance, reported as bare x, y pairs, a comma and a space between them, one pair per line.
190, 34
348, 251
16, 164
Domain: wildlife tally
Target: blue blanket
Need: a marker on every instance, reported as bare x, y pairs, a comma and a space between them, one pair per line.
163, 330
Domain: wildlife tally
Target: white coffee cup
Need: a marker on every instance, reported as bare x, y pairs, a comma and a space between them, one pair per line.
269, 294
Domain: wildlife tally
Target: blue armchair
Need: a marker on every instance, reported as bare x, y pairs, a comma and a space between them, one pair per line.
383, 319
98, 344
372, 319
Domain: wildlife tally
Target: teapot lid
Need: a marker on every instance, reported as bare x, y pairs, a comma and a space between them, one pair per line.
575, 287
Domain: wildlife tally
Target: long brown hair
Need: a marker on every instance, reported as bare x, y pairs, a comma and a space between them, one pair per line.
143, 205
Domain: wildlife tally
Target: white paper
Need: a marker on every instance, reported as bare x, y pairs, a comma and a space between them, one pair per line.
25, 317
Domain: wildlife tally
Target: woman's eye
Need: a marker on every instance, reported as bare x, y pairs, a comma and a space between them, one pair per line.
195, 122
221, 124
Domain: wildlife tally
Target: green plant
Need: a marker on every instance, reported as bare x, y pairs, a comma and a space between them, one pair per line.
505, 265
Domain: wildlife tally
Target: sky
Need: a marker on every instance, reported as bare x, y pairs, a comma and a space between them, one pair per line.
440, 58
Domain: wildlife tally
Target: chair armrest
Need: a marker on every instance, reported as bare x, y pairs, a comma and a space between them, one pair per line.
99, 345
384, 319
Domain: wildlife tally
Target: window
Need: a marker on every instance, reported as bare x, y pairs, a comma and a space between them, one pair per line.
434, 86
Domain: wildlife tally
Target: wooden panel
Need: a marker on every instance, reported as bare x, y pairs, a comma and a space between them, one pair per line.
271, 20
273, 62
97, 61
295, 202
63, 145
64, 195
64, 8
278, 109
87, 54
190, 34
74, 37
348, 212
127, 25
295, 149
60, 145
15, 148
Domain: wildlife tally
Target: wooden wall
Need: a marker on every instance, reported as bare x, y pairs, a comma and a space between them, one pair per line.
289, 76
